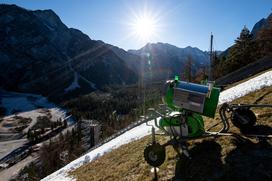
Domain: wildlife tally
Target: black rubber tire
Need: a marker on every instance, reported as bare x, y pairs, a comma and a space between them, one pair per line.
243, 119
154, 154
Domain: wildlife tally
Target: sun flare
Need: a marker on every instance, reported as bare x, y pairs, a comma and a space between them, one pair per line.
145, 28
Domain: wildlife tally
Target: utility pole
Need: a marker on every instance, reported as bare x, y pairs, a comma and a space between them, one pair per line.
211, 59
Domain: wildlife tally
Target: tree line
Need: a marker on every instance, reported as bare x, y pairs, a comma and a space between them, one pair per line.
53, 155
114, 111
246, 49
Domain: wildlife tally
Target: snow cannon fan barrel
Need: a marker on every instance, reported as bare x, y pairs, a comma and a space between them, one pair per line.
198, 98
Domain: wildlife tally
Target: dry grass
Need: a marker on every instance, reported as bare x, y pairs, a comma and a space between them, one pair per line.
221, 158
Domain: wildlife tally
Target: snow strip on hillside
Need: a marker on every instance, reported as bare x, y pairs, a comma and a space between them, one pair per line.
138, 132
263, 80
22, 102
29, 106
74, 85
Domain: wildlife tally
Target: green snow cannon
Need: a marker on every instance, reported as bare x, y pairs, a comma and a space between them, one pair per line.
190, 102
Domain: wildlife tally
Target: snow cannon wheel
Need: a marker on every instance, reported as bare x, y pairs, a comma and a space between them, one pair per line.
154, 154
243, 118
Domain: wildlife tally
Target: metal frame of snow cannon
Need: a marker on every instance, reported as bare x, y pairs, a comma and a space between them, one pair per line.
241, 115
177, 141
176, 121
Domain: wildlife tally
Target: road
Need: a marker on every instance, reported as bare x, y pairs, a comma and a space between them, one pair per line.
7, 146
12, 172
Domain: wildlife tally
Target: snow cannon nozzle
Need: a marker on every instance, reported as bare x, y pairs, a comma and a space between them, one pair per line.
176, 78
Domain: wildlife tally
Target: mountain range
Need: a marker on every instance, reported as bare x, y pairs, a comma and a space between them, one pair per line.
165, 60
40, 54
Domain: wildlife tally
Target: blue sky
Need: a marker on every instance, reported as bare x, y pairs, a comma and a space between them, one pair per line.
179, 22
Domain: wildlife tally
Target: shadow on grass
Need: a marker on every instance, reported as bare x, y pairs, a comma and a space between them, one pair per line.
258, 130
248, 161
205, 162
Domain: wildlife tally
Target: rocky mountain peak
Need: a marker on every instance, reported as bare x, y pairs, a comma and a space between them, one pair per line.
49, 17
260, 24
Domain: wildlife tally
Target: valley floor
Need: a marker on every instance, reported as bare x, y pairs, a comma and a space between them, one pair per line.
23, 112
11, 172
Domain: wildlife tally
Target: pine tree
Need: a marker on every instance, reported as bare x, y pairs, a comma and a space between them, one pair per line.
35, 135
79, 127
242, 53
61, 137
30, 135
65, 123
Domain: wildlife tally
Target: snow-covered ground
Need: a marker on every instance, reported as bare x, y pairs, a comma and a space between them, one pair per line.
74, 85
22, 102
29, 106
11, 172
26, 106
8, 146
264, 80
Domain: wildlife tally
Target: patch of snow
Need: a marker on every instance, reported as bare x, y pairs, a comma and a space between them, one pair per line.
31, 114
29, 106
21, 102
8, 146
75, 82
57, 114
259, 82
74, 85
133, 134
16, 103
142, 130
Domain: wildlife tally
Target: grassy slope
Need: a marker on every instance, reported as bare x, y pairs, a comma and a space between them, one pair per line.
221, 158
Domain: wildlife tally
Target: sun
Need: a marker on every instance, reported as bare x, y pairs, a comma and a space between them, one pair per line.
145, 28
144, 25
